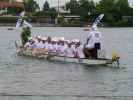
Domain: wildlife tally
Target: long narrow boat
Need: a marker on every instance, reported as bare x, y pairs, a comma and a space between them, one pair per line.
53, 57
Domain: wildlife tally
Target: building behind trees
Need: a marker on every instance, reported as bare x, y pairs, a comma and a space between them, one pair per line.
11, 7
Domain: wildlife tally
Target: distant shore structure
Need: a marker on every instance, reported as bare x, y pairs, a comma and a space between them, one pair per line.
131, 4
5, 4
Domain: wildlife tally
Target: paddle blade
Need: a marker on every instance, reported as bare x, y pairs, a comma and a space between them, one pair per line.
26, 24
98, 19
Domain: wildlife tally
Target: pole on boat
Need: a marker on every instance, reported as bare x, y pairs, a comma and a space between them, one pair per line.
58, 7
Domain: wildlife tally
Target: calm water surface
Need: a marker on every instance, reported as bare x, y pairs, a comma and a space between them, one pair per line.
24, 78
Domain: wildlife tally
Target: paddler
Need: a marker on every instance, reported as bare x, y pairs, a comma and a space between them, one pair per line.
79, 50
30, 44
48, 44
44, 39
54, 45
61, 47
39, 43
69, 51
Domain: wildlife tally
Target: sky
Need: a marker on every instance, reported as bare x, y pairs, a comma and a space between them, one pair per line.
53, 2
62, 2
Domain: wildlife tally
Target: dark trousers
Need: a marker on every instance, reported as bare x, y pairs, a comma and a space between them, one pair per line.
96, 48
92, 53
88, 53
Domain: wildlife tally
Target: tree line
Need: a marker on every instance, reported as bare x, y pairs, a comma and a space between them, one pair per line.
117, 12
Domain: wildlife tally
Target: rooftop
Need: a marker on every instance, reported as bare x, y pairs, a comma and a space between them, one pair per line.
5, 4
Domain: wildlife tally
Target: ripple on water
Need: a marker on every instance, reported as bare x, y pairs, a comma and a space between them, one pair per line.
31, 79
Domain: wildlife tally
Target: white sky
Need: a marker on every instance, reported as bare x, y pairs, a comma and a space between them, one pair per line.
53, 2
62, 2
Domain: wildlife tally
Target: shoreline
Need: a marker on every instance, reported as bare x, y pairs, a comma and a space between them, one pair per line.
55, 25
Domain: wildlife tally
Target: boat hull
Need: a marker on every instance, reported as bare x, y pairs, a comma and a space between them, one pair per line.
53, 57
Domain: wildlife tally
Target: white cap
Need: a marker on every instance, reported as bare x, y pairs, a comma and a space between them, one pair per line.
39, 37
68, 41
55, 39
44, 38
94, 27
62, 39
75, 40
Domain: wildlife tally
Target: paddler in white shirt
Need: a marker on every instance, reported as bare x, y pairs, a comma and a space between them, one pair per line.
69, 51
39, 44
44, 50
79, 50
37, 51
61, 47
44, 39
48, 44
54, 44
28, 44
73, 42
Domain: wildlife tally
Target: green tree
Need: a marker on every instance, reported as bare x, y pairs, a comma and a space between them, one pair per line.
73, 6
114, 10
86, 9
46, 6
109, 8
52, 12
123, 7
47, 11
31, 5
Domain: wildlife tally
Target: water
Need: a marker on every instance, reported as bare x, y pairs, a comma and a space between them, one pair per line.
24, 78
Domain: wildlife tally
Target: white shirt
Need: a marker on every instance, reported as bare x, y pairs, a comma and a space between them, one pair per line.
30, 45
39, 45
69, 52
97, 37
79, 51
94, 37
90, 45
45, 45
61, 50
54, 47
49, 46
73, 46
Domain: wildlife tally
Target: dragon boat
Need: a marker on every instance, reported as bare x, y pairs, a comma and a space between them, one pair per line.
101, 60
114, 61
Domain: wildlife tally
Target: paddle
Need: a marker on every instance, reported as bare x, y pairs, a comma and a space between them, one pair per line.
96, 22
21, 22
98, 19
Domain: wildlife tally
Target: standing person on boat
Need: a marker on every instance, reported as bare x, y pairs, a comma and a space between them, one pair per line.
93, 43
97, 41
